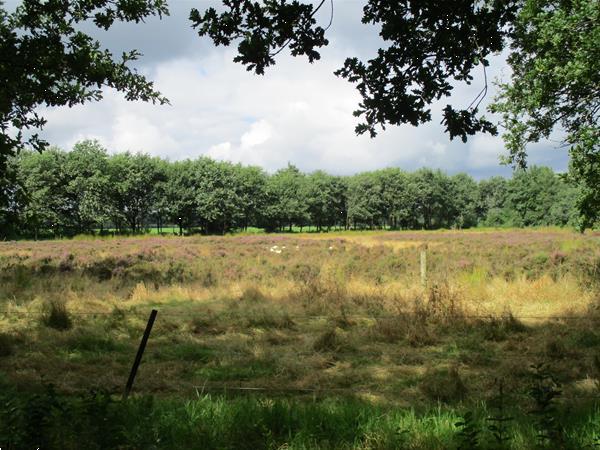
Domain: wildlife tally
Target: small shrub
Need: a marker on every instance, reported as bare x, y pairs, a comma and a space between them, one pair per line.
305, 273
177, 272
443, 385
252, 294
207, 277
67, 263
419, 334
55, 315
498, 422
442, 304
207, 324
268, 319
469, 432
500, 328
329, 341
556, 349
390, 329
115, 319
544, 391
6, 345
103, 269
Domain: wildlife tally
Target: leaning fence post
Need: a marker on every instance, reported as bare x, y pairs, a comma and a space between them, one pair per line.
140, 353
424, 266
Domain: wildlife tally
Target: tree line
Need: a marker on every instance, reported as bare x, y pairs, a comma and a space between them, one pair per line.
86, 190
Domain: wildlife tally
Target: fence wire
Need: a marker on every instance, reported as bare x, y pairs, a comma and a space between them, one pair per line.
190, 314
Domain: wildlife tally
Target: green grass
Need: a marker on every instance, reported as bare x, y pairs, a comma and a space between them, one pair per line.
342, 313
50, 421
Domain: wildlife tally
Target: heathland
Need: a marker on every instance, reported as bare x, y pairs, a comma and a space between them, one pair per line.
329, 340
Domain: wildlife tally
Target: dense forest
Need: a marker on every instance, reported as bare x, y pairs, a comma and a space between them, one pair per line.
86, 190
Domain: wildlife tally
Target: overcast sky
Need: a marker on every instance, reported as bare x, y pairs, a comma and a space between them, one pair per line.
298, 112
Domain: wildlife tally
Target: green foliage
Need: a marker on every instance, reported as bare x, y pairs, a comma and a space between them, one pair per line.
6, 345
86, 190
286, 203
469, 432
544, 391
134, 179
555, 86
47, 60
426, 48
48, 420
262, 30
499, 421
55, 315
416, 66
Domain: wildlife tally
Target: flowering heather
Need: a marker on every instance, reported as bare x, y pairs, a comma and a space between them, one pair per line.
334, 310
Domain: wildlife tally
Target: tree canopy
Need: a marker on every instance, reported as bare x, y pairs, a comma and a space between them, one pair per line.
427, 46
45, 59
555, 87
86, 190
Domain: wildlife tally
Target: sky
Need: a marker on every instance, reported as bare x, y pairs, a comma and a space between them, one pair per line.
298, 113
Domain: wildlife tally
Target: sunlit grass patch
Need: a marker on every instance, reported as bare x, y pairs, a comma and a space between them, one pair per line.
326, 312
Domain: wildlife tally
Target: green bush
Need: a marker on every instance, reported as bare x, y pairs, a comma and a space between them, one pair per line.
6, 345
55, 315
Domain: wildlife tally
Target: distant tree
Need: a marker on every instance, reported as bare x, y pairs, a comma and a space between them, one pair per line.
89, 185
161, 208
13, 200
531, 194
564, 211
399, 197
491, 200
366, 204
433, 201
251, 185
180, 193
62, 193
134, 178
50, 207
325, 199
286, 191
217, 196
463, 196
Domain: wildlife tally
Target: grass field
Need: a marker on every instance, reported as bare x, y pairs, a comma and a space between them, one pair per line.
306, 340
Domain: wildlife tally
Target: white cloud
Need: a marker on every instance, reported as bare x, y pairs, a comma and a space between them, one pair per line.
259, 133
132, 132
298, 112
485, 151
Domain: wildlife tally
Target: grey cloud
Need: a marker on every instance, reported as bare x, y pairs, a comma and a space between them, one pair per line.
297, 112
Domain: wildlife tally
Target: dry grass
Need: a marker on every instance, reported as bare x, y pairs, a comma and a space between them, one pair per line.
343, 311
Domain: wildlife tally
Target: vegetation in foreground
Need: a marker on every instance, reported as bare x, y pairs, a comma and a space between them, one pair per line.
46, 420
306, 318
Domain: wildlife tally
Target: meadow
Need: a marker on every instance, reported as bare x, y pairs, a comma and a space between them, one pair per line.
323, 340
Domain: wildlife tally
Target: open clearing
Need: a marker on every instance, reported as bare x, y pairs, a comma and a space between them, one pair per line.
311, 316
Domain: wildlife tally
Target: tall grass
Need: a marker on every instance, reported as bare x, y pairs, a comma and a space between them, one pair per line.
55, 315
47, 420
328, 313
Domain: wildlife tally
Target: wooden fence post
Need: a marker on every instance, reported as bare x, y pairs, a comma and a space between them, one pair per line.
140, 353
424, 266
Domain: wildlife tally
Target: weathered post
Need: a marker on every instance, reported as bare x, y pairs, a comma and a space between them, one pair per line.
140, 353
424, 266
